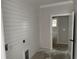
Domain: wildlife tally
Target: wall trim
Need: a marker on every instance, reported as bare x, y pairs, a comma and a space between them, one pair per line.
56, 4
64, 14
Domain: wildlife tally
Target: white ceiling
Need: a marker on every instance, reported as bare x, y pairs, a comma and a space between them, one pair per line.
44, 2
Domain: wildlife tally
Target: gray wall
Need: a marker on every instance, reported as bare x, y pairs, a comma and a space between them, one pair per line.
20, 20
63, 26
62, 29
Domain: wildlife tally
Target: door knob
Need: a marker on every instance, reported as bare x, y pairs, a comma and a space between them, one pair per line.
6, 47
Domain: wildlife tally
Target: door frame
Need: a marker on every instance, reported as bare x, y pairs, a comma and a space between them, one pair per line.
63, 14
2, 38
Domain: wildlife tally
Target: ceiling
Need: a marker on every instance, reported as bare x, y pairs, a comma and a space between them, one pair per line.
44, 2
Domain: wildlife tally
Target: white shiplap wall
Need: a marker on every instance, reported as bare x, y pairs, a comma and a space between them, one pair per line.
20, 20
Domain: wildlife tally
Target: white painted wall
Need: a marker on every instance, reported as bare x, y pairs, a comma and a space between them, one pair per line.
45, 13
20, 20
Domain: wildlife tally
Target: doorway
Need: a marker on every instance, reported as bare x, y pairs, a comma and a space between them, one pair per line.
62, 33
